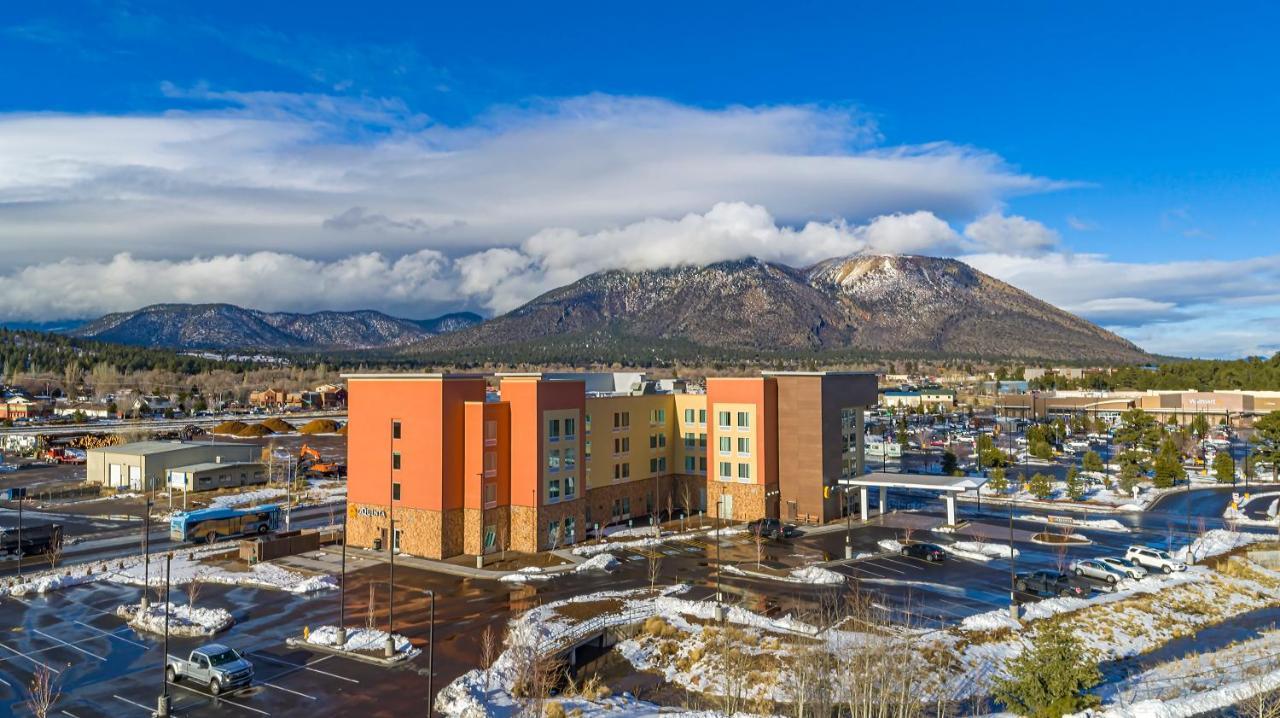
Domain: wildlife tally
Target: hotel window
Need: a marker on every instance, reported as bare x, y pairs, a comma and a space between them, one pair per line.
702, 464
726, 445
702, 416
553, 460
553, 533
586, 423
622, 471
690, 440
690, 464
586, 451
622, 445
744, 446
490, 495
491, 432
653, 466
490, 463
744, 420
662, 464
658, 416
570, 458
657, 441
570, 486
621, 419
626, 505
688, 416
744, 471
553, 430
553, 490
702, 441
570, 426
724, 418
726, 470
395, 430
395, 491
395, 459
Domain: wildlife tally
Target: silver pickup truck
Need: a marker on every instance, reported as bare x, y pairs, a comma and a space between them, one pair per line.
215, 665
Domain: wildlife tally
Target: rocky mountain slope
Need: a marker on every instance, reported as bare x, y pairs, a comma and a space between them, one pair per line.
226, 326
862, 304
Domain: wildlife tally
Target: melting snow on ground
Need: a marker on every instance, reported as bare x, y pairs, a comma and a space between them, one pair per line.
362, 640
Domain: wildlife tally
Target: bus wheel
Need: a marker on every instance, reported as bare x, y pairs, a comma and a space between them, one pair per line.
211, 537
262, 528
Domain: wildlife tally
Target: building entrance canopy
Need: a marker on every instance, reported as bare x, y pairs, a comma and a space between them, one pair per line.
949, 486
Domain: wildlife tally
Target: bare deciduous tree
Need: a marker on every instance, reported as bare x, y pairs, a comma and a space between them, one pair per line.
488, 651
369, 621
193, 591
44, 692
654, 568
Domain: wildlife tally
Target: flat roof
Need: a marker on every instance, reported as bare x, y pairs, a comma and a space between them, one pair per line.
146, 448
933, 482
212, 465
817, 373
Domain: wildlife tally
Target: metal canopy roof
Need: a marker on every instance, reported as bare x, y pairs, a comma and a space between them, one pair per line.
931, 482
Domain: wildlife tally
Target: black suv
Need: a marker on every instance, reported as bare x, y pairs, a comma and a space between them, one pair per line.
771, 528
924, 551
1050, 583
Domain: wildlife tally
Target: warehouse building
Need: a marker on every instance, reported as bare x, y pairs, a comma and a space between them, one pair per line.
144, 465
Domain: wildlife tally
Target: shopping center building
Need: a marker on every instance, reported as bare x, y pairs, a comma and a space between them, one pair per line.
472, 464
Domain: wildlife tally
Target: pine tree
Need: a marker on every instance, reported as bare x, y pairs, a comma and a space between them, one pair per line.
948, 463
1051, 678
1092, 461
1075, 487
1168, 465
1224, 468
997, 481
1041, 487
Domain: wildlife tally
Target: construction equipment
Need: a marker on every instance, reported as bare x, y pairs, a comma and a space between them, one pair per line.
313, 464
63, 455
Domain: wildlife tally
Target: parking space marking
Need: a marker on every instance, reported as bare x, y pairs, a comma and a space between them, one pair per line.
68, 645
69, 713
29, 658
219, 698
286, 690
19, 600
7, 683
112, 635
132, 703
303, 666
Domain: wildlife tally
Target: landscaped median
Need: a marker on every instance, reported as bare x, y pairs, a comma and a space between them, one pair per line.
365, 644
183, 620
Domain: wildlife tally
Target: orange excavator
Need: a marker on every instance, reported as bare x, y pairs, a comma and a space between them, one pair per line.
313, 464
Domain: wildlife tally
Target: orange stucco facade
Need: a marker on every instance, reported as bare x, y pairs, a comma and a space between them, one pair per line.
489, 464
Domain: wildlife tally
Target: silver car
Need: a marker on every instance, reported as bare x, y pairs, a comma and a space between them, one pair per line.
1123, 566
1097, 569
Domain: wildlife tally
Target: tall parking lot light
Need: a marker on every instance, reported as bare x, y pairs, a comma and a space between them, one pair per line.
431, 654
390, 649
21, 493
162, 702
719, 523
1013, 564
342, 579
146, 554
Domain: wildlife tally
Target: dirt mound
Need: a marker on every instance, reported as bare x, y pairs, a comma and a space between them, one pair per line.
319, 426
255, 430
279, 426
232, 427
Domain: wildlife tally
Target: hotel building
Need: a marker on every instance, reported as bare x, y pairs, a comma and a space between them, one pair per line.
470, 464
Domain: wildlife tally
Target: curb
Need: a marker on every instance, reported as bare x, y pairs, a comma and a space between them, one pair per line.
384, 662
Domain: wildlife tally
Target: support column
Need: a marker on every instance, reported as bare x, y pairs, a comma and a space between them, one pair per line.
862, 498
950, 498
860, 441
884, 499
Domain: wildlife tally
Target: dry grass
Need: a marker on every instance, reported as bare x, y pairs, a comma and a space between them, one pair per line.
584, 610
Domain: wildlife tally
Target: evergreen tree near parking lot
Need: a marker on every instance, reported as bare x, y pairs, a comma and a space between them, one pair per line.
997, 482
1041, 449
1168, 465
1075, 487
1092, 461
1267, 439
1051, 678
1130, 477
1041, 486
949, 464
1224, 468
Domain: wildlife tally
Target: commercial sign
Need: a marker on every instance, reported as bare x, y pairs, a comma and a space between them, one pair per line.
367, 511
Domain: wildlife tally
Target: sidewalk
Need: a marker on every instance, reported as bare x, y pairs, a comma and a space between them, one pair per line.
446, 567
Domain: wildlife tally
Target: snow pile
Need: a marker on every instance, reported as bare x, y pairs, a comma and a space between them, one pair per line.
648, 539
528, 573
360, 640
978, 550
615, 546
890, 545
187, 566
1099, 524
599, 562
247, 498
49, 581
815, 574
183, 620
1219, 541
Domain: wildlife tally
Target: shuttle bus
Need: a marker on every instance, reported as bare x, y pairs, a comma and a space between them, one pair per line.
209, 525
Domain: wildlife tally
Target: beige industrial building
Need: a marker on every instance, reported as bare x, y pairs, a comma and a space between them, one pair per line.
211, 475
144, 465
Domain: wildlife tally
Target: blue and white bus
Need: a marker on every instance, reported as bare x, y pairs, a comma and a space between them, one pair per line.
212, 524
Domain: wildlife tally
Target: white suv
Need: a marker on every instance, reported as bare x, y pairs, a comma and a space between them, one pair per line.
1153, 559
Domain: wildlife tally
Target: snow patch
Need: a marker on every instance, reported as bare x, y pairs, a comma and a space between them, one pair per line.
183, 620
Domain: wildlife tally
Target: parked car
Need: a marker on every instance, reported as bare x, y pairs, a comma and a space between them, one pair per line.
1092, 568
1049, 583
924, 551
772, 528
1129, 569
215, 665
1154, 559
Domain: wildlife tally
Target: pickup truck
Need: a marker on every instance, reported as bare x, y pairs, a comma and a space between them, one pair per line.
215, 665
1051, 583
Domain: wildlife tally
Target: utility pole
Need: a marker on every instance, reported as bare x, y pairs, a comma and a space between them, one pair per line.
390, 649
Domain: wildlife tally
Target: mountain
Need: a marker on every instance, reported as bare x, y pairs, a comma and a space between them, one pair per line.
864, 305
226, 326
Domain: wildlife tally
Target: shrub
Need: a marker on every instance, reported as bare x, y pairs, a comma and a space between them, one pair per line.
553, 709
1051, 678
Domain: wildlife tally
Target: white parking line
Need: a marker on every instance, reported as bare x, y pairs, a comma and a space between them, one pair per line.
112, 635
69, 713
19, 600
132, 703
7, 683
29, 658
286, 690
68, 645
306, 666
219, 698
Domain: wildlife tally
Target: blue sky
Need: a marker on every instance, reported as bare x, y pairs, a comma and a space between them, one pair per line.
1120, 154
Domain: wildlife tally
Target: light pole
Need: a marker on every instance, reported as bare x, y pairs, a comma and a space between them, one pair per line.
1013, 564
431, 655
146, 554
342, 581
162, 703
719, 523
22, 495
390, 649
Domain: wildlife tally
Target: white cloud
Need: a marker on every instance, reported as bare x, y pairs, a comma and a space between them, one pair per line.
1020, 236
268, 169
